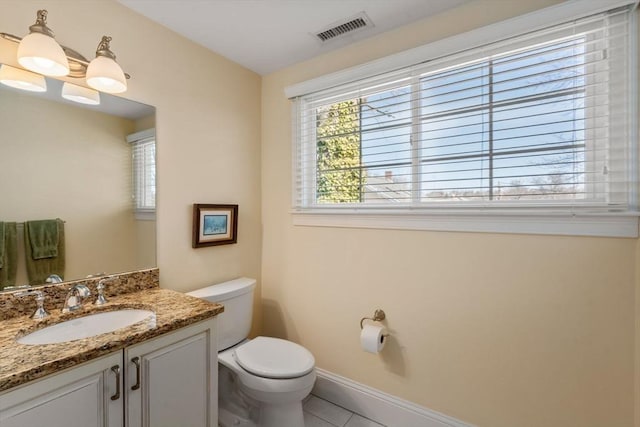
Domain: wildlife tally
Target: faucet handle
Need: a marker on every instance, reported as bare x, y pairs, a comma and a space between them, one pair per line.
40, 312
100, 300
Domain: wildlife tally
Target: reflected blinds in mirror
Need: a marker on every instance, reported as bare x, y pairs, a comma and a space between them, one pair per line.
143, 149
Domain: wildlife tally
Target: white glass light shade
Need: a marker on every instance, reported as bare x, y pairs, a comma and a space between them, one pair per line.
104, 74
22, 79
80, 94
42, 54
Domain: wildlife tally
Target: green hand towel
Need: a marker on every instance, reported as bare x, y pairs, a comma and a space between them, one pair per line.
43, 236
9, 245
1, 244
39, 269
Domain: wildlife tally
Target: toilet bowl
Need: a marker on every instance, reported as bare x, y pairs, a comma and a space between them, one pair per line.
262, 381
277, 383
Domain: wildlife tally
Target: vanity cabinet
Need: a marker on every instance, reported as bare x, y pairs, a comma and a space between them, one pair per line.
172, 380
168, 381
79, 397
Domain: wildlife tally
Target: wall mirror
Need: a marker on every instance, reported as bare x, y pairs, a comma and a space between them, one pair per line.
62, 159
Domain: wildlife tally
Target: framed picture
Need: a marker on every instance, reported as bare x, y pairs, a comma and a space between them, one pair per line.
214, 225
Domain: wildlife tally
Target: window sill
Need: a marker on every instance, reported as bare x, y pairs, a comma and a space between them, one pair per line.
597, 224
145, 215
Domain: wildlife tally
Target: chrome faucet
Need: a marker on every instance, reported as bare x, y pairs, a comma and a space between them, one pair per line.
75, 297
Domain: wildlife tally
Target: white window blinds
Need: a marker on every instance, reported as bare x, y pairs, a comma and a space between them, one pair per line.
536, 121
143, 151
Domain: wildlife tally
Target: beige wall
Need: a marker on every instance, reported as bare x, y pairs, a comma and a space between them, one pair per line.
496, 330
208, 128
62, 161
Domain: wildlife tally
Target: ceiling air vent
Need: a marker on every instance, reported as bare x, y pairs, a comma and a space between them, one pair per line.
343, 27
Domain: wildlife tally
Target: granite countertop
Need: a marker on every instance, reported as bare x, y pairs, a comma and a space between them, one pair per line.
21, 363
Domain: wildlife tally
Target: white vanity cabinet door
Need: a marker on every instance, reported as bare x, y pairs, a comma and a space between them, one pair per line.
78, 397
172, 380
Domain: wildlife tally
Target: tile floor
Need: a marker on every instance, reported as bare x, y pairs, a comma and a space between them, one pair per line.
320, 413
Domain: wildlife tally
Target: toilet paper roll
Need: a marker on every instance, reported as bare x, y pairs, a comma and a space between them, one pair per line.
372, 338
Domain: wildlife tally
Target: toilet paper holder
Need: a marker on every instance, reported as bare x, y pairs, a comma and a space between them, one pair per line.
378, 316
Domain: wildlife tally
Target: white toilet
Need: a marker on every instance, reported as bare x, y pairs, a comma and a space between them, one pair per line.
261, 381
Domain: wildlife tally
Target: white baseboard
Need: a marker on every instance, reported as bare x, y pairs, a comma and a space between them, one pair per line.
376, 405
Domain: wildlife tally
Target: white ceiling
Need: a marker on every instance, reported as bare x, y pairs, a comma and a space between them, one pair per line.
267, 35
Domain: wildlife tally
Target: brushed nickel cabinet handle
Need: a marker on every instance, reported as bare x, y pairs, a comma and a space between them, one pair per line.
136, 361
116, 370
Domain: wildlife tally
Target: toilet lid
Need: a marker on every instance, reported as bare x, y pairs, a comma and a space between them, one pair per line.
274, 358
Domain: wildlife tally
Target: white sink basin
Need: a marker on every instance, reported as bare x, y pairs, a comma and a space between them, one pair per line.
86, 326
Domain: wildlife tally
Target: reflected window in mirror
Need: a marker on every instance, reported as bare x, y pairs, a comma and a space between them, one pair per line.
143, 150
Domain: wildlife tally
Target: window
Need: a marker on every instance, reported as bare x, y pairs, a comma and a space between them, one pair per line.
143, 152
536, 124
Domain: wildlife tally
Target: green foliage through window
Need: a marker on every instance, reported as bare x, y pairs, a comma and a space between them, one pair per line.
339, 169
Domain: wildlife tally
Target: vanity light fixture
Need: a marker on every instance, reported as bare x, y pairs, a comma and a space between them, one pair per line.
80, 94
104, 73
39, 51
22, 79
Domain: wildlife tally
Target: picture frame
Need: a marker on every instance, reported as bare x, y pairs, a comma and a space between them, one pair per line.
214, 225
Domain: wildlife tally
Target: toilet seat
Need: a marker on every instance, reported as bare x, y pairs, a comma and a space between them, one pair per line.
270, 390
274, 358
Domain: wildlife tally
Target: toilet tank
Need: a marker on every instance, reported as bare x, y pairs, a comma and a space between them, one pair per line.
237, 297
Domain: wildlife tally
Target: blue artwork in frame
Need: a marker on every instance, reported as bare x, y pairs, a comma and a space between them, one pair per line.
214, 224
